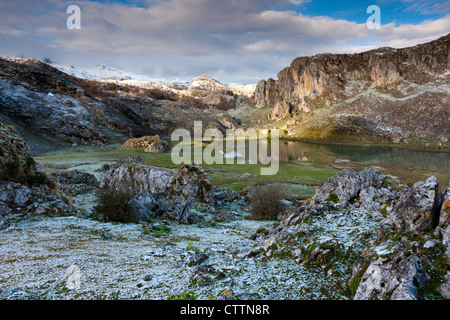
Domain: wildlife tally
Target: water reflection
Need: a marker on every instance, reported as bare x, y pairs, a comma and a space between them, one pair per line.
425, 160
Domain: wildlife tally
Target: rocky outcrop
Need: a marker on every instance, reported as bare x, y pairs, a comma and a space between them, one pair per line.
265, 94
137, 178
399, 93
148, 144
203, 82
16, 162
63, 109
161, 192
444, 217
367, 187
417, 209
24, 186
397, 278
342, 227
192, 181
76, 177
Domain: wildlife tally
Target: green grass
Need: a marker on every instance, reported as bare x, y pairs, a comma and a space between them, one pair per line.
296, 174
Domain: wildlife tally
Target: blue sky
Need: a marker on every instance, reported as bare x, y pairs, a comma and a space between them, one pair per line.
236, 41
400, 12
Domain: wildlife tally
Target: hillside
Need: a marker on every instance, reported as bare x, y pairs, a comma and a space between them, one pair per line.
51, 108
383, 96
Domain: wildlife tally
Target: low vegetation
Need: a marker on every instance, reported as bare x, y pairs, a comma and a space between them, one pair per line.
114, 206
266, 202
25, 173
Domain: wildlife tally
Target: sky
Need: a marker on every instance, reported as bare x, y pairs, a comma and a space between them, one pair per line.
233, 41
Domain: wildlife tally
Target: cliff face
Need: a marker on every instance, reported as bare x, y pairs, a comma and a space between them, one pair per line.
414, 80
56, 107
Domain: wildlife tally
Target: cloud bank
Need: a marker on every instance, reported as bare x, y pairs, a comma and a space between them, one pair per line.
238, 41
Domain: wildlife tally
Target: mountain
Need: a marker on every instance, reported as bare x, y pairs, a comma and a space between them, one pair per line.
383, 95
104, 72
51, 108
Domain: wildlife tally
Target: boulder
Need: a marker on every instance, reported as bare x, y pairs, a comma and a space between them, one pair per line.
348, 185
143, 206
137, 178
14, 194
444, 289
444, 218
192, 181
398, 278
4, 209
148, 144
417, 210
197, 258
222, 195
178, 209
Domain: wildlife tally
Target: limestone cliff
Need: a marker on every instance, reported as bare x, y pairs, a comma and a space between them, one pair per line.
405, 91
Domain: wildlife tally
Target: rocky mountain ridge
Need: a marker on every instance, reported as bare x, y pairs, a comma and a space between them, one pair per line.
66, 110
398, 94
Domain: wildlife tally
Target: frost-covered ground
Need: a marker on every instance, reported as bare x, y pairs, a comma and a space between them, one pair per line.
121, 261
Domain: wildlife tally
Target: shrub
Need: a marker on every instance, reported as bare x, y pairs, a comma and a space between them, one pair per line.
186, 295
333, 197
114, 206
24, 172
266, 202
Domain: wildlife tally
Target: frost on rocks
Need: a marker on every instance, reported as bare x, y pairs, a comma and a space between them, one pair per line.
417, 210
399, 277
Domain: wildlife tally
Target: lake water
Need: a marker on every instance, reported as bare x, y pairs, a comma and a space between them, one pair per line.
426, 160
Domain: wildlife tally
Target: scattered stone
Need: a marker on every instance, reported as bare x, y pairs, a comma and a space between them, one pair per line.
148, 277
76, 177
4, 209
228, 294
430, 244
197, 258
248, 296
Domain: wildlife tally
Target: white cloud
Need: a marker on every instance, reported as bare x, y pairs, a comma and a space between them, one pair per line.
245, 39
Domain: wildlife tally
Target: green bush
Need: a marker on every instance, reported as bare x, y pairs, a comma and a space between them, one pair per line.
114, 206
186, 295
24, 172
266, 202
333, 197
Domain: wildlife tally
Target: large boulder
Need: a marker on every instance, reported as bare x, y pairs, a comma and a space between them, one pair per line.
16, 161
14, 194
417, 210
444, 218
178, 209
137, 178
148, 144
192, 181
347, 186
143, 205
398, 278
